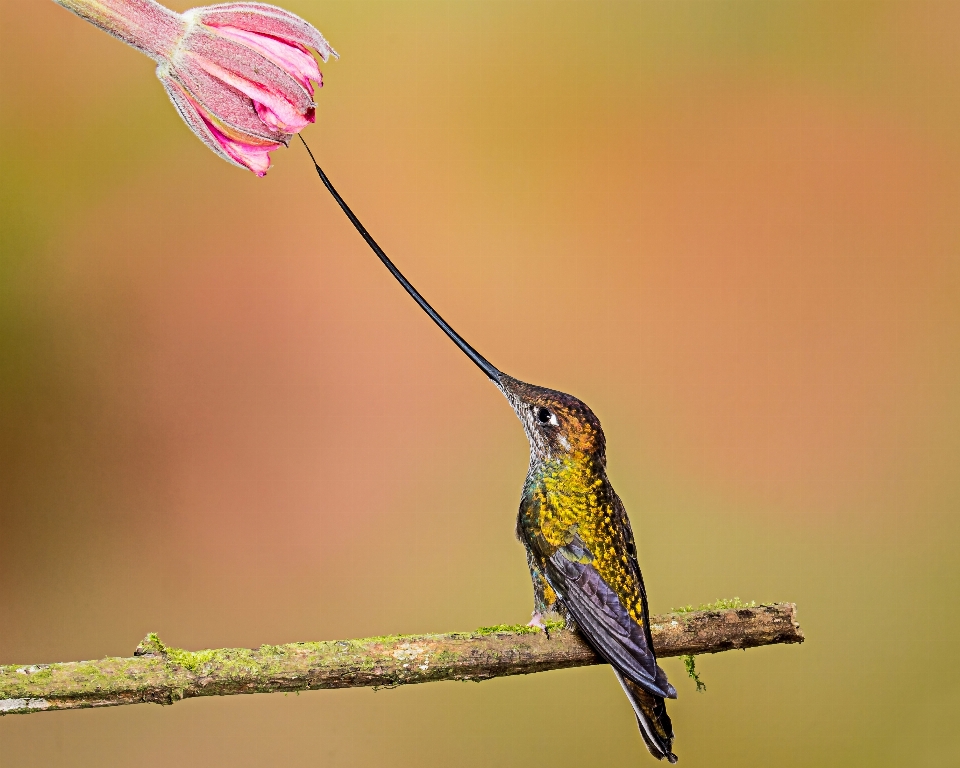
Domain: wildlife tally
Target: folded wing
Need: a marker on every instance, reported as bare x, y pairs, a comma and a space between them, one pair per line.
603, 620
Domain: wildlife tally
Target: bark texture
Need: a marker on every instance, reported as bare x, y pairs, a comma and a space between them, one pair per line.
163, 675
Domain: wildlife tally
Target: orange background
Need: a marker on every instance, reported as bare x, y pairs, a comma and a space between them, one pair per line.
731, 228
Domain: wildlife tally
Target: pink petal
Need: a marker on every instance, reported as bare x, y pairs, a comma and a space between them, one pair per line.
293, 59
256, 157
233, 109
275, 111
250, 72
267, 20
190, 113
250, 155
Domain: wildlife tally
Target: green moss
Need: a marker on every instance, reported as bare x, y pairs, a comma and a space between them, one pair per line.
151, 644
229, 661
513, 629
689, 662
719, 605
443, 658
691, 665
41, 674
191, 660
518, 629
92, 672
384, 639
320, 646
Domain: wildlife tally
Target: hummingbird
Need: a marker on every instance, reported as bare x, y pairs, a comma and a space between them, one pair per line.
580, 547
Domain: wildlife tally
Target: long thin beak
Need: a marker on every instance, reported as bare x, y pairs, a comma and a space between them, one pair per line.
455, 337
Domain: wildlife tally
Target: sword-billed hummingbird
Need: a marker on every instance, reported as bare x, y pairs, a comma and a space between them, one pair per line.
580, 547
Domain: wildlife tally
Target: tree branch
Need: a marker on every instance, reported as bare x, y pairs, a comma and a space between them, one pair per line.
163, 675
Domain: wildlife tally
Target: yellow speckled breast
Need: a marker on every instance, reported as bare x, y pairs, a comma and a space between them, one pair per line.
572, 497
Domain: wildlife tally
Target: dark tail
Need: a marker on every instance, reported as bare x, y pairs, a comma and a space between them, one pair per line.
655, 726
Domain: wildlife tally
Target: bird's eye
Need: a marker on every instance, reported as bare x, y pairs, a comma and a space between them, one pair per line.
544, 416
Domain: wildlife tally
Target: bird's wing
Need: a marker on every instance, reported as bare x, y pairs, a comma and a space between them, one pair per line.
602, 618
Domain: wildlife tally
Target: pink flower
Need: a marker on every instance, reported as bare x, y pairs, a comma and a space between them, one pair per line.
240, 74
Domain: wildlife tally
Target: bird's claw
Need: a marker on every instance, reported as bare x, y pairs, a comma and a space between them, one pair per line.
537, 621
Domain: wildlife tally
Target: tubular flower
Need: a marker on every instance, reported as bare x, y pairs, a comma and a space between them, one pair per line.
240, 74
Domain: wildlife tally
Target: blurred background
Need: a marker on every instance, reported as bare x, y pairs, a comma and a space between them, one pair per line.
731, 228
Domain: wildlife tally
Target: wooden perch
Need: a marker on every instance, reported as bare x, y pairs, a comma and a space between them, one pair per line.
164, 675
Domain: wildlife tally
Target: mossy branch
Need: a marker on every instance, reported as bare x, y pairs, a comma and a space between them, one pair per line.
162, 675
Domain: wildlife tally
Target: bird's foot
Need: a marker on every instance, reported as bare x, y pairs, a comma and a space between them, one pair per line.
537, 621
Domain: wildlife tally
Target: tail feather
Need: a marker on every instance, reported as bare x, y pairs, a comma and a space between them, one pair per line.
655, 726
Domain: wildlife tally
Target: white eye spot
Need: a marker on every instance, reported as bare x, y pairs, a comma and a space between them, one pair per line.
545, 417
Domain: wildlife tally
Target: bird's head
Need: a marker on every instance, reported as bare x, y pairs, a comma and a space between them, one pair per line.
556, 424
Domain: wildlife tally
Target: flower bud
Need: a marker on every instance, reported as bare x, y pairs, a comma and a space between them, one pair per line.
240, 74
